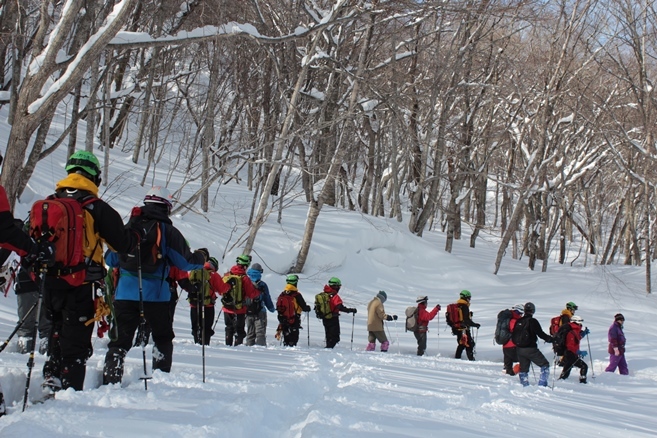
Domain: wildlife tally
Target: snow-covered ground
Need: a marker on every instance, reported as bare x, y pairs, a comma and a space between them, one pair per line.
309, 391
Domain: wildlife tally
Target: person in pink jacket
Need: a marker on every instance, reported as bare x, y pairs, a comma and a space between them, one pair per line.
423, 318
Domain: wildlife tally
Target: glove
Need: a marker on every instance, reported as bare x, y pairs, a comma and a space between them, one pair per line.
352, 310
307, 309
550, 340
389, 318
616, 351
581, 353
394, 317
585, 332
476, 325
438, 307
205, 253
45, 253
139, 231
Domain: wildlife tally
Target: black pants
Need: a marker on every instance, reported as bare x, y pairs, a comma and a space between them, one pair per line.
571, 360
70, 340
421, 337
235, 331
510, 356
207, 314
332, 331
527, 356
290, 333
465, 342
127, 319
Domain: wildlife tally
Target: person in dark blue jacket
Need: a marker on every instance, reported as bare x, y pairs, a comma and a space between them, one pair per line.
162, 247
256, 313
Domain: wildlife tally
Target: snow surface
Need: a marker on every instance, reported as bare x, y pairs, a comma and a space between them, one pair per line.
309, 391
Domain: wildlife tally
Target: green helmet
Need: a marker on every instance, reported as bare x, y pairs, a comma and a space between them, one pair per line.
292, 279
334, 281
571, 306
244, 260
85, 161
465, 294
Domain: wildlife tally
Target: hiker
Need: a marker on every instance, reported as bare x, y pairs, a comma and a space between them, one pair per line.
13, 238
237, 299
376, 314
256, 312
461, 324
509, 348
525, 333
289, 305
573, 356
332, 325
617, 346
142, 282
207, 286
70, 292
423, 318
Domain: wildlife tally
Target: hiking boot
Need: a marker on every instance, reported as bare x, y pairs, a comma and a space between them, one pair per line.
51, 384
43, 346
25, 344
370, 346
582, 379
524, 378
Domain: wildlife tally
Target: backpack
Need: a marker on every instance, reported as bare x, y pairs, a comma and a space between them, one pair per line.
453, 316
323, 306
200, 280
286, 306
502, 332
150, 248
70, 228
234, 298
555, 324
521, 335
411, 318
559, 339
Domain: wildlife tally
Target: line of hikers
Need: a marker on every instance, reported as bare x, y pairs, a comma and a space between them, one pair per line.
63, 253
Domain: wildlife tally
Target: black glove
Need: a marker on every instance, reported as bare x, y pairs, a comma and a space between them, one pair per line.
475, 325
45, 253
394, 317
389, 318
205, 253
139, 231
438, 307
353, 311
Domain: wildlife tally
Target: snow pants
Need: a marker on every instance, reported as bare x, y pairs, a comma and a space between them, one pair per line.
256, 329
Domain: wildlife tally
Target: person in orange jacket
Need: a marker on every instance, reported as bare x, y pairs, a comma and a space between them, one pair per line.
236, 301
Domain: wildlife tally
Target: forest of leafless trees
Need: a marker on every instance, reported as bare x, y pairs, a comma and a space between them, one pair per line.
530, 120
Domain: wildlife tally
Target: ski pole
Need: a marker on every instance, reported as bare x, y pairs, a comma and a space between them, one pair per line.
388, 329
397, 334
30, 362
202, 322
590, 357
353, 319
142, 318
217, 320
18, 326
308, 327
438, 331
554, 370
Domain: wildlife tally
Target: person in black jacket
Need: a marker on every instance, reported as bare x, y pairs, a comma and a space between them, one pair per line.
527, 347
463, 332
70, 307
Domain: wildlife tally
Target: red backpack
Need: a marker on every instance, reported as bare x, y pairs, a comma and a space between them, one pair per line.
286, 305
555, 323
453, 316
63, 222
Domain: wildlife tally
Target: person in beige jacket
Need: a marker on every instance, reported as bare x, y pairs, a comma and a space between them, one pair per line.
376, 314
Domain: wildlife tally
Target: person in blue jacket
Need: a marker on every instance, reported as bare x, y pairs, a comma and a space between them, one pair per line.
163, 246
256, 313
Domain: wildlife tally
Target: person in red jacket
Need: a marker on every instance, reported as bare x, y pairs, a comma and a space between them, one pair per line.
234, 308
332, 325
573, 356
205, 294
509, 349
177, 277
423, 318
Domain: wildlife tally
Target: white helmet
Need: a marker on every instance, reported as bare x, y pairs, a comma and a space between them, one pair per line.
159, 195
577, 319
520, 308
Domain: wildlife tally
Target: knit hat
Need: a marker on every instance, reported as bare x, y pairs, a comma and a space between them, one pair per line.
382, 296
619, 317
422, 299
257, 267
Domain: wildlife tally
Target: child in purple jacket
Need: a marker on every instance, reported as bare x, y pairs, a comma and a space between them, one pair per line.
617, 346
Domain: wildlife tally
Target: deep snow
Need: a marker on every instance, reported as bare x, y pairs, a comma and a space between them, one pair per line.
308, 391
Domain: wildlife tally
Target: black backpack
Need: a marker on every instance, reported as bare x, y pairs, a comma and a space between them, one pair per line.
152, 254
521, 333
559, 339
502, 332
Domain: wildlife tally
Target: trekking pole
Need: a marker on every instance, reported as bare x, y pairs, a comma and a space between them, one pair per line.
554, 370
217, 320
30, 362
142, 318
202, 322
18, 326
397, 334
308, 327
353, 319
388, 328
590, 357
438, 331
